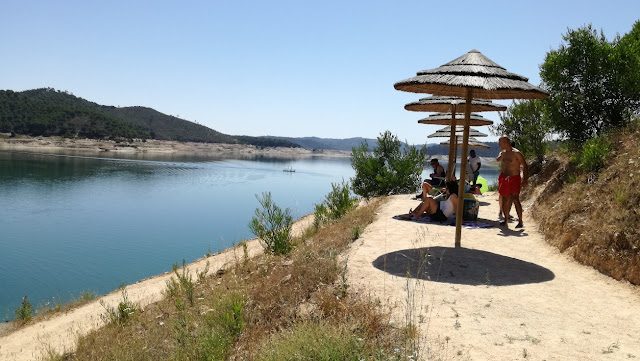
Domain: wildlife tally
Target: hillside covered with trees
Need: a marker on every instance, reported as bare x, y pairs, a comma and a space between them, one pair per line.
50, 112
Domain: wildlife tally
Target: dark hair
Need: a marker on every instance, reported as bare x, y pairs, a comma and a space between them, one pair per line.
452, 187
434, 160
513, 143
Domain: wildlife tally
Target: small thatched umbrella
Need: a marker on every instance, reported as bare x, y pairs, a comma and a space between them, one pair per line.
452, 105
459, 132
473, 143
453, 146
445, 119
471, 75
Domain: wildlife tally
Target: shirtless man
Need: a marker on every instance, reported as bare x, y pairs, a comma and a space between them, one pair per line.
510, 181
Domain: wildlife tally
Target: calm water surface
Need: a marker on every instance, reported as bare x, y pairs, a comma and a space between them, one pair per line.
74, 223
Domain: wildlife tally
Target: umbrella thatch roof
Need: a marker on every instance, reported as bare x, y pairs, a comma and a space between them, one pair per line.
486, 79
473, 143
443, 104
446, 132
445, 119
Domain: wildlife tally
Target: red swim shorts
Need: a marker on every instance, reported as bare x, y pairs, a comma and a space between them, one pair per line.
509, 184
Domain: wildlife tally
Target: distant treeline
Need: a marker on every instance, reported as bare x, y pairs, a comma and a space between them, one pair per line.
49, 112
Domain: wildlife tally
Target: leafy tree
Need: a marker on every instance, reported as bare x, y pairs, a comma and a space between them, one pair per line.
593, 83
387, 169
526, 122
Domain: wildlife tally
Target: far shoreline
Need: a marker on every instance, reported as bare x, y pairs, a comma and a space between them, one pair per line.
154, 148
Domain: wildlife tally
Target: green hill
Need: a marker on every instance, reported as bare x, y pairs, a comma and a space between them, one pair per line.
49, 112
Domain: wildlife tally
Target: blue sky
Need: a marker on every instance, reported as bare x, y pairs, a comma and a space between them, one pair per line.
289, 68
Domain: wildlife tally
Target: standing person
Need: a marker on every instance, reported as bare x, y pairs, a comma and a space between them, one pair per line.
499, 159
473, 167
509, 181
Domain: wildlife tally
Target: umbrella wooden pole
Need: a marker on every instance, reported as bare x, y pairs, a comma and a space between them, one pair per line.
452, 145
463, 167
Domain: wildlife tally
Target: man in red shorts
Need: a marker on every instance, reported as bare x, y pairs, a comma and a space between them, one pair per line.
509, 181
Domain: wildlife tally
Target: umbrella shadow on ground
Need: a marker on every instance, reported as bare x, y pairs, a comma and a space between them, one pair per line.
462, 266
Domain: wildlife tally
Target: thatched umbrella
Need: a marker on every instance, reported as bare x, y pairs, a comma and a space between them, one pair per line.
452, 105
472, 75
473, 143
445, 119
456, 136
459, 132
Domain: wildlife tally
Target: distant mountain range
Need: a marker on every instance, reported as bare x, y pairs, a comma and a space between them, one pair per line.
49, 112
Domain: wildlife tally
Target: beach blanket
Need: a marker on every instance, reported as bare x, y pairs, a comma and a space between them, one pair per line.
451, 221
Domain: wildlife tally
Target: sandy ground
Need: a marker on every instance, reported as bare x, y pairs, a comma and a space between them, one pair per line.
506, 295
151, 147
61, 332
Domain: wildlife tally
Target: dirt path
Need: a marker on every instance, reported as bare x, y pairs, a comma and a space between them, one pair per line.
60, 333
504, 296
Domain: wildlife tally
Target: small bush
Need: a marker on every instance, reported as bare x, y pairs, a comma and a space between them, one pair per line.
122, 314
493, 187
336, 204
593, 154
272, 225
25, 312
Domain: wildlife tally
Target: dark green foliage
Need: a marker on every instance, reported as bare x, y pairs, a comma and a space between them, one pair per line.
121, 314
272, 225
25, 312
386, 170
336, 204
593, 154
594, 84
46, 112
167, 127
526, 123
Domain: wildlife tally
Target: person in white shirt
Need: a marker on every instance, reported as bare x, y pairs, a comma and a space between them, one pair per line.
473, 167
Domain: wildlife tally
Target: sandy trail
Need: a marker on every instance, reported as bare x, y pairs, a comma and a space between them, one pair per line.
60, 333
504, 296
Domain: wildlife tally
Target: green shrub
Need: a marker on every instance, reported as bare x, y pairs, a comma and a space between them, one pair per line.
336, 204
121, 314
25, 312
272, 225
593, 154
387, 169
492, 187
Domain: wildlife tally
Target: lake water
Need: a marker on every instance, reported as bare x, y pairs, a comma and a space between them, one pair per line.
75, 223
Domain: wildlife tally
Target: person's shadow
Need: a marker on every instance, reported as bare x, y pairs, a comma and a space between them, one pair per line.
461, 266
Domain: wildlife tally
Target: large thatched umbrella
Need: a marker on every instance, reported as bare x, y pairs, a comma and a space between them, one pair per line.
472, 75
452, 105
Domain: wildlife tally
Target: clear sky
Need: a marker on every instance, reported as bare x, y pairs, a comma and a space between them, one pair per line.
290, 68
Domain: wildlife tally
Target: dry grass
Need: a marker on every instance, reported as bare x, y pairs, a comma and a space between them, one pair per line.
595, 216
260, 304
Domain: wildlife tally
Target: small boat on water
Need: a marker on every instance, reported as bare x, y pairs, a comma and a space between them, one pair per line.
290, 169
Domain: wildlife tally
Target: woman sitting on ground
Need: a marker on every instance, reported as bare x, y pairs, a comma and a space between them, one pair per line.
438, 212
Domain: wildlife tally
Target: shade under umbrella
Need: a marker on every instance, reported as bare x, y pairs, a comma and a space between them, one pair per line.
473, 143
445, 119
443, 104
459, 132
473, 70
471, 75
